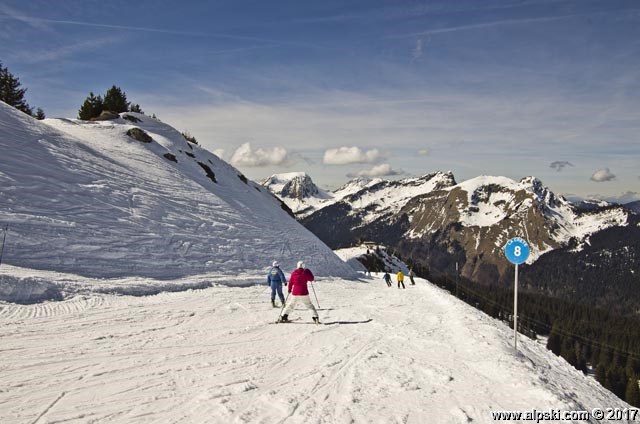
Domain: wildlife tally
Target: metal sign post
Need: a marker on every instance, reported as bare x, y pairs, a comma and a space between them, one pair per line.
457, 295
4, 238
517, 251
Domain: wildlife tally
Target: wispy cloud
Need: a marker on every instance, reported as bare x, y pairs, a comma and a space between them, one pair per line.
622, 198
506, 21
35, 21
627, 197
62, 52
350, 155
402, 119
602, 175
11, 13
382, 170
559, 165
417, 50
245, 155
424, 152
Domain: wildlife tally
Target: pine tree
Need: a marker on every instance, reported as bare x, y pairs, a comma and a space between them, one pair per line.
554, 343
135, 108
633, 391
191, 139
115, 100
40, 114
91, 108
11, 93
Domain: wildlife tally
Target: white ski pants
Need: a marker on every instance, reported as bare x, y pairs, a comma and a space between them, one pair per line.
291, 305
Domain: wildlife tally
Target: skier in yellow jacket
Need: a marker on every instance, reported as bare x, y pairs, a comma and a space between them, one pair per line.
401, 279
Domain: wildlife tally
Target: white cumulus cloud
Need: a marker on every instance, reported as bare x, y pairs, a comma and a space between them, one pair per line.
424, 152
350, 155
219, 153
245, 155
382, 170
602, 175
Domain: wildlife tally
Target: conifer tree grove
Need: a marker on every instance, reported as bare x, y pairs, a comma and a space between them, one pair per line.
11, 93
91, 108
115, 100
40, 114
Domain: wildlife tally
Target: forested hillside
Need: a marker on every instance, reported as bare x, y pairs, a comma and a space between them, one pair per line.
603, 272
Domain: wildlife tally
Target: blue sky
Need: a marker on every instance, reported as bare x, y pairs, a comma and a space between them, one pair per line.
548, 88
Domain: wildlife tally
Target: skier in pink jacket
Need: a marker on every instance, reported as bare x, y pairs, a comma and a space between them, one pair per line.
300, 292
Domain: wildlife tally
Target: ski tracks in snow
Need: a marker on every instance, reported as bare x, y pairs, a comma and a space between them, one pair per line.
410, 356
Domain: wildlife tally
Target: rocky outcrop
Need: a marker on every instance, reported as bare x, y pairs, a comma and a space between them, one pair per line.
139, 135
300, 187
105, 115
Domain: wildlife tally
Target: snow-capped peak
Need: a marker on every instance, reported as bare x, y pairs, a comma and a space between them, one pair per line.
293, 185
297, 190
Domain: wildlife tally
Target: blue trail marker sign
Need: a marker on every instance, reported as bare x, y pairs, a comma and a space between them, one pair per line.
517, 251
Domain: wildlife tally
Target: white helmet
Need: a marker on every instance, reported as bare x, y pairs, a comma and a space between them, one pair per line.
301, 264
275, 263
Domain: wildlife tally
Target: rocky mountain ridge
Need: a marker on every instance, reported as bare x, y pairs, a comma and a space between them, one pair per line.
435, 221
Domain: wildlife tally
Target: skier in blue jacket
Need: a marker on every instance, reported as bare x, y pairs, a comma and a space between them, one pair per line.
276, 278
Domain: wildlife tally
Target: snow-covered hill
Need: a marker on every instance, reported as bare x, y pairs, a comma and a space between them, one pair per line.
86, 198
386, 355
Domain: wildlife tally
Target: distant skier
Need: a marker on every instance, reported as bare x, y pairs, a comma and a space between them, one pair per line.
276, 278
411, 275
300, 292
401, 279
387, 278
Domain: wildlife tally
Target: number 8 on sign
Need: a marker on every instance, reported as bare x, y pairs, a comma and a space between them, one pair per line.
517, 250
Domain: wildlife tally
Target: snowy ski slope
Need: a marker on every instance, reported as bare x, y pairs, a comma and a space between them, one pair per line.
385, 355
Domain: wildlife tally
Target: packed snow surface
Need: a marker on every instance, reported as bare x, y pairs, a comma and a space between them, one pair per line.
213, 355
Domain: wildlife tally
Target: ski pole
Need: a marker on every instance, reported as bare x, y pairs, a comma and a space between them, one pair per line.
314, 293
6, 230
283, 303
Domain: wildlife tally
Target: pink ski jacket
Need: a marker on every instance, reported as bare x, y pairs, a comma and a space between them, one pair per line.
298, 282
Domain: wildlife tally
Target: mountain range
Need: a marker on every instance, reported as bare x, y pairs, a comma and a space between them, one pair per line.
435, 222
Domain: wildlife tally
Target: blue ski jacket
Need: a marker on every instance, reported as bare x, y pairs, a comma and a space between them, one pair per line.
275, 276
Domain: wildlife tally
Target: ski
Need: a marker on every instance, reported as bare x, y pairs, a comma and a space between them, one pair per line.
291, 321
297, 321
